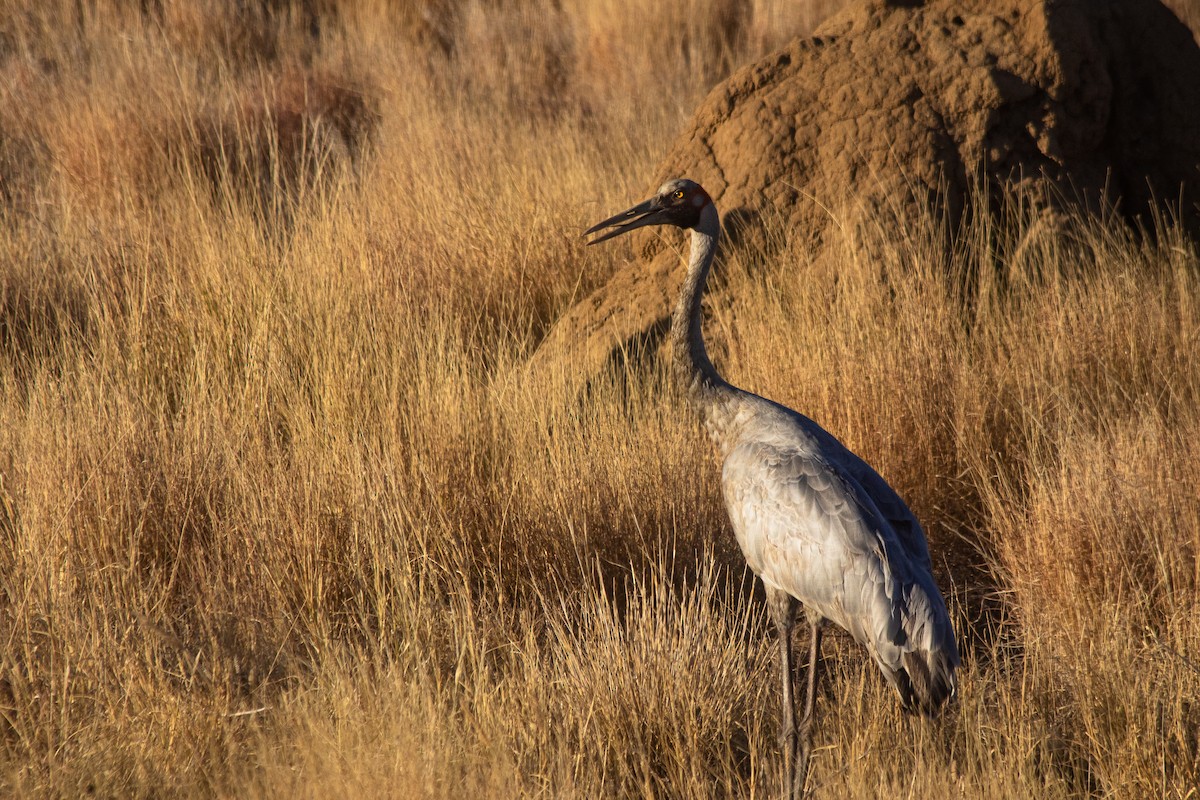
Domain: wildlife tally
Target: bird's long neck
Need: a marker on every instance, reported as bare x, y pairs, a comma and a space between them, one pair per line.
707, 391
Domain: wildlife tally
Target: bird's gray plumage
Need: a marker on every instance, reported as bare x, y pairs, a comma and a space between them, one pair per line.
809, 526
815, 522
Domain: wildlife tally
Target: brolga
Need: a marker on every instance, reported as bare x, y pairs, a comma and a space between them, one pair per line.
820, 528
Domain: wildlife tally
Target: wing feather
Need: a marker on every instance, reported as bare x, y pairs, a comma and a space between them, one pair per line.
808, 526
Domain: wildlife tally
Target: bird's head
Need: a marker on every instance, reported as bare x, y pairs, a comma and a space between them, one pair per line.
677, 202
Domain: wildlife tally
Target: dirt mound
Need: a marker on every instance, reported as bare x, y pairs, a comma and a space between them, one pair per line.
903, 103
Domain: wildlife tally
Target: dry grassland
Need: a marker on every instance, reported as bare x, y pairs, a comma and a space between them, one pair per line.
283, 515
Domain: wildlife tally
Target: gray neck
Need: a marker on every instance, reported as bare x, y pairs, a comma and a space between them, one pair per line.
707, 391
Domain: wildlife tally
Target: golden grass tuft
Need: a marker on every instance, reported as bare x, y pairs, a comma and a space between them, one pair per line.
283, 512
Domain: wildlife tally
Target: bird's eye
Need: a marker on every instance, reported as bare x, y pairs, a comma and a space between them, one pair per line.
678, 194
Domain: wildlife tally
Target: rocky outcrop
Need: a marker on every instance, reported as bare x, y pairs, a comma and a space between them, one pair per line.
900, 105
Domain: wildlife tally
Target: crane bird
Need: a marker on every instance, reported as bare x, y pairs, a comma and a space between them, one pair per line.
815, 522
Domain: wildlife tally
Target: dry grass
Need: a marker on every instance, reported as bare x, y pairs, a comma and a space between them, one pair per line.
283, 516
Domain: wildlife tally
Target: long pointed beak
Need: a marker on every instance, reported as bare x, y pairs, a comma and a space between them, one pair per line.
639, 216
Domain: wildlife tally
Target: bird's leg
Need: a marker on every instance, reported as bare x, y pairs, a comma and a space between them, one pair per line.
814, 666
783, 611
787, 735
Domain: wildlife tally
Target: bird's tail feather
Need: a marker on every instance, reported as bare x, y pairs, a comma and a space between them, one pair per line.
930, 679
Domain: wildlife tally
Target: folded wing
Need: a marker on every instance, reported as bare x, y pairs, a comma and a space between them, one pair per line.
809, 527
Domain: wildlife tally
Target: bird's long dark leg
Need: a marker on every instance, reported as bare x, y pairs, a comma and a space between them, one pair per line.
783, 612
806, 722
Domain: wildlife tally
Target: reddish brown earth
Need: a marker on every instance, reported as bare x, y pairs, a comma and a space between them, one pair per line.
903, 104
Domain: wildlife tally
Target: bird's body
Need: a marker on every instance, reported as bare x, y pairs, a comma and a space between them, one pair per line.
810, 518
815, 522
